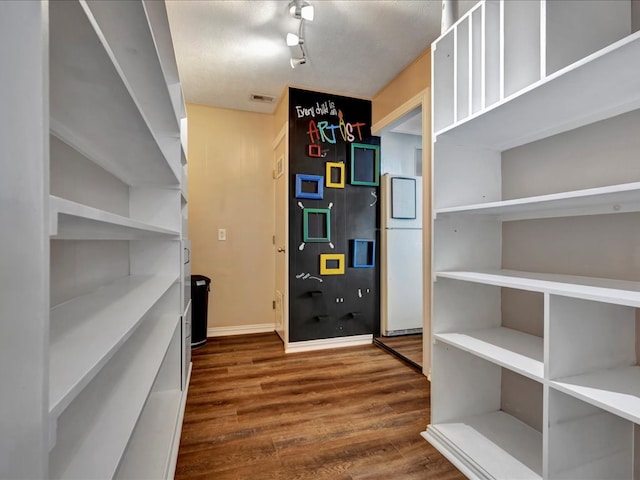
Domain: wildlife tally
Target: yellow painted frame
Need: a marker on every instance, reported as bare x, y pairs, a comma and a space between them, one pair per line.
328, 182
325, 257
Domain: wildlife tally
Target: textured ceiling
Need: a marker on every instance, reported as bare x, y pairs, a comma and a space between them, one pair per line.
227, 49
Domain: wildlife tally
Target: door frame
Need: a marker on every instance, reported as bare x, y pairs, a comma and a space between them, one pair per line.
282, 136
423, 100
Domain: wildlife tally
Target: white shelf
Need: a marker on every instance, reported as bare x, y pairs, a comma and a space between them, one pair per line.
592, 201
574, 96
71, 220
156, 13
495, 445
602, 464
153, 438
109, 409
517, 351
129, 41
616, 390
87, 331
184, 137
588, 288
183, 155
91, 106
184, 184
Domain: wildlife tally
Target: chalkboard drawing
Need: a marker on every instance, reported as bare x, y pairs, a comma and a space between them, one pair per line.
307, 276
363, 253
316, 225
365, 164
309, 186
335, 175
375, 198
313, 150
332, 264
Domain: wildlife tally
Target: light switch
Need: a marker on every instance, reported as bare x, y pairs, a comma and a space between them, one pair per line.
222, 234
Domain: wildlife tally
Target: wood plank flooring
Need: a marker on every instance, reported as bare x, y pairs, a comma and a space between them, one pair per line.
344, 414
408, 346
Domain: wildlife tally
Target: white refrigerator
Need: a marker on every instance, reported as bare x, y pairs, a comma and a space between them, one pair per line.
401, 255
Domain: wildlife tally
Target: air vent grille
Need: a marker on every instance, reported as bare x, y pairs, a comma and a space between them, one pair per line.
255, 97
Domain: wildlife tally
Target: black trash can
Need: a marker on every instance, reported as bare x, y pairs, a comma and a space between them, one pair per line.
200, 286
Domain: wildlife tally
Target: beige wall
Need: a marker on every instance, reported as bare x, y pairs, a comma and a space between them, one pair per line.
410, 82
281, 112
231, 187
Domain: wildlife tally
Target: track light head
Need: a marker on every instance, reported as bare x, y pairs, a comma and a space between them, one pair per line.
293, 40
297, 61
301, 9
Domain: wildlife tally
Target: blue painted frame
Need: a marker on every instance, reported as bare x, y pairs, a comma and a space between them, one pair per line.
300, 177
361, 243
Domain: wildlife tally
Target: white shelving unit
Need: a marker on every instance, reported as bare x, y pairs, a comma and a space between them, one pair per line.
115, 310
103, 378
535, 286
74, 221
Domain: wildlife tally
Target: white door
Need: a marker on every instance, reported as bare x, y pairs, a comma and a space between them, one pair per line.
402, 258
280, 243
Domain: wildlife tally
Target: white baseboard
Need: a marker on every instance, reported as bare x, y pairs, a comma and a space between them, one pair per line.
325, 343
240, 330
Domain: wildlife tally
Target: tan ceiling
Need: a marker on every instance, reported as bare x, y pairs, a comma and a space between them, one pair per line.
228, 49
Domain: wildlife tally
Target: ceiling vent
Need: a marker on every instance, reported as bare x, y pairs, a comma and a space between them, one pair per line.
262, 98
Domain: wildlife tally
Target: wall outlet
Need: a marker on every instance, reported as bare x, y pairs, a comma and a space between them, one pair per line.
222, 234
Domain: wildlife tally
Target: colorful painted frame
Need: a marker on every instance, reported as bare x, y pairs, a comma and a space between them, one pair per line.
360, 245
355, 147
305, 225
319, 180
327, 257
330, 167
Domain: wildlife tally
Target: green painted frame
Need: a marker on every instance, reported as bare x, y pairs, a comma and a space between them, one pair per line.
376, 173
305, 225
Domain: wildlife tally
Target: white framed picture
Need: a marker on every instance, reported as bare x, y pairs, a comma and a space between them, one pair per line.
403, 198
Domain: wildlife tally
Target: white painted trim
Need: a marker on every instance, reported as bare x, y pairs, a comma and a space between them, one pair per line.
280, 135
173, 461
326, 343
240, 330
411, 104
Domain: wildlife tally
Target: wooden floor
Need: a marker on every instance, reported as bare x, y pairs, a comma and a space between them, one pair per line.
350, 413
408, 346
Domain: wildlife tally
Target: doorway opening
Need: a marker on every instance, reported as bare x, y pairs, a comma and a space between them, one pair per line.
402, 292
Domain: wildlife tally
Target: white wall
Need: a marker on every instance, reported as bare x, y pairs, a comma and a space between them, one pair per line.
397, 153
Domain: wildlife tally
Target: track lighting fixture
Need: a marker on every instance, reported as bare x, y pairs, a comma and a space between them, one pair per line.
293, 40
294, 62
300, 10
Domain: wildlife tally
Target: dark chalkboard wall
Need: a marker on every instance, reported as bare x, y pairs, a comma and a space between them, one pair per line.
339, 305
